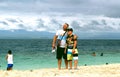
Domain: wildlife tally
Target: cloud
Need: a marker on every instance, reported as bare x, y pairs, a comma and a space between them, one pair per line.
2, 4
51, 23
89, 7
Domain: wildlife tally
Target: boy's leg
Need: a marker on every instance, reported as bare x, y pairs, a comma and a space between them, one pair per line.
70, 64
9, 67
75, 64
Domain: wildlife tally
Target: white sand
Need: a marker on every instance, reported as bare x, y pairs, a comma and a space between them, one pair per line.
111, 70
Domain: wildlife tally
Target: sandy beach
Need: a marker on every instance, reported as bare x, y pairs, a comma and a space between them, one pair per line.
111, 70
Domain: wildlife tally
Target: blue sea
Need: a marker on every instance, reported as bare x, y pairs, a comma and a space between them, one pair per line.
32, 54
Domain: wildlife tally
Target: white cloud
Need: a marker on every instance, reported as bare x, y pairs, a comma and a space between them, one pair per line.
51, 23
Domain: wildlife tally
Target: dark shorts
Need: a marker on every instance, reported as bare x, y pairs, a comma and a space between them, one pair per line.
10, 66
60, 53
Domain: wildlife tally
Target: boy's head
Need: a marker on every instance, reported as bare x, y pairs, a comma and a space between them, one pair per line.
9, 52
69, 31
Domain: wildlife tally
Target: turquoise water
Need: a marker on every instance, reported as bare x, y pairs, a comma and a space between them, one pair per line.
36, 53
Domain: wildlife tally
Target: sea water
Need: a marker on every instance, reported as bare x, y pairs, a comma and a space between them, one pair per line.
32, 54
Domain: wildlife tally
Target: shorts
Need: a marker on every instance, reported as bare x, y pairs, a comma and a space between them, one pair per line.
60, 53
75, 56
71, 56
10, 66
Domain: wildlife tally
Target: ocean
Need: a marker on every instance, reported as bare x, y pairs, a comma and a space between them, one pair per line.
32, 54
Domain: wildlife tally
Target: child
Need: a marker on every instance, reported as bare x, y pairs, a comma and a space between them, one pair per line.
72, 52
9, 59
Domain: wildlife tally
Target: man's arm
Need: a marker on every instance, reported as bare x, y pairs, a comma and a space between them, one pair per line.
54, 41
75, 43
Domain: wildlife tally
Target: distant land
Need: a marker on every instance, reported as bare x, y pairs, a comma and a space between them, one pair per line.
23, 34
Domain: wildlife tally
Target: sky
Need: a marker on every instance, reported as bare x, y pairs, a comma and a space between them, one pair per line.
96, 16
90, 7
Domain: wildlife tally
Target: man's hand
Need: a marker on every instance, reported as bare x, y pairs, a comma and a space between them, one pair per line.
53, 46
54, 42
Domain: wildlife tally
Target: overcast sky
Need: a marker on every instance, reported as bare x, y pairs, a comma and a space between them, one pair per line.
96, 16
110, 8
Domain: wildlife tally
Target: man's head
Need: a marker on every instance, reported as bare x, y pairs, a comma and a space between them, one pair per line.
69, 31
65, 26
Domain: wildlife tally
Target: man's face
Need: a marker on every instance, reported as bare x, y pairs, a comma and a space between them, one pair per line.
65, 27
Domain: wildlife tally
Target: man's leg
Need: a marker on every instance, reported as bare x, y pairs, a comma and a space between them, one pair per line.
66, 63
59, 63
65, 58
59, 57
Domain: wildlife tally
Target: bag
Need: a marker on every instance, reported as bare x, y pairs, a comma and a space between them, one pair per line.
53, 50
59, 40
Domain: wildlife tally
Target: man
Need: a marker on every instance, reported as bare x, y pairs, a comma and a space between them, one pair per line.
72, 52
61, 36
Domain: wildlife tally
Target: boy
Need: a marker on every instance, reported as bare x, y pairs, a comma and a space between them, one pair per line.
72, 52
9, 59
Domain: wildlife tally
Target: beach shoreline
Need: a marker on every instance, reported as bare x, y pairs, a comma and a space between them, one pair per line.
110, 70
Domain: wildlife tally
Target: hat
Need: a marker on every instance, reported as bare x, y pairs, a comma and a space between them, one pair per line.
70, 29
